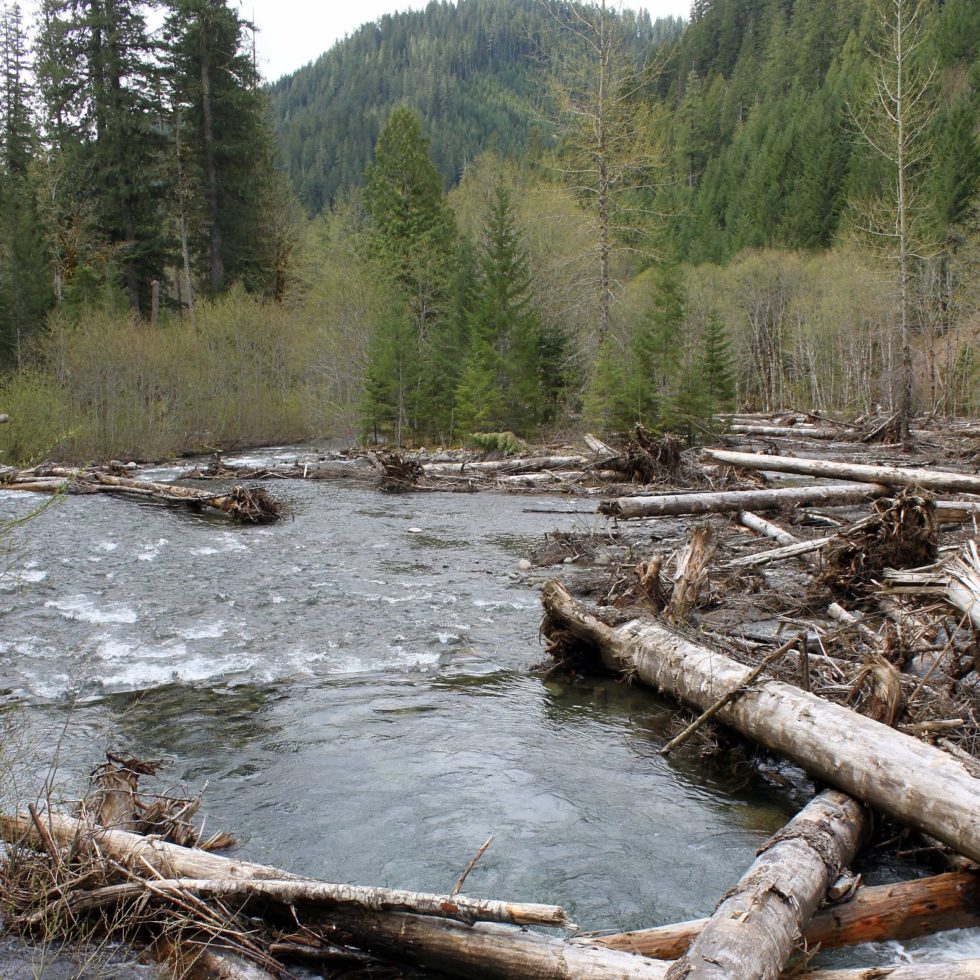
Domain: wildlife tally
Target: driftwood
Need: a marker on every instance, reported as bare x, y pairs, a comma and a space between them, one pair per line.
900, 911
250, 505
900, 476
169, 860
957, 580
691, 574
505, 467
754, 930
766, 528
911, 781
955, 970
490, 952
721, 502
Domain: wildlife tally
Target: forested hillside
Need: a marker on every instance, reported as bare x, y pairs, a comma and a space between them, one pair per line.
476, 72
485, 216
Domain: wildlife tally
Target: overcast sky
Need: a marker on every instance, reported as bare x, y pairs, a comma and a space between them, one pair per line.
293, 32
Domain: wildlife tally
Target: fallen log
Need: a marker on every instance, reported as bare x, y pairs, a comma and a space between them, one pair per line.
250, 505
169, 860
491, 468
720, 502
911, 781
798, 549
490, 952
901, 476
953, 970
903, 910
791, 431
766, 528
755, 928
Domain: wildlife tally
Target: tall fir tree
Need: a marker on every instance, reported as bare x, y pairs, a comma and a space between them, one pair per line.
24, 292
104, 121
225, 146
411, 240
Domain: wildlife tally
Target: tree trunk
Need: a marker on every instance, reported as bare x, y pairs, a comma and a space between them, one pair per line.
909, 780
955, 970
208, 874
721, 502
900, 911
901, 476
754, 930
488, 951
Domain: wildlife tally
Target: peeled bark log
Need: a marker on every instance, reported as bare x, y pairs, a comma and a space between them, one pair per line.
900, 911
911, 781
900, 476
190, 863
754, 930
489, 952
722, 502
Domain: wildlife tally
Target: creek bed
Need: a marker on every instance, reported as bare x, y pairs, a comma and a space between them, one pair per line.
353, 685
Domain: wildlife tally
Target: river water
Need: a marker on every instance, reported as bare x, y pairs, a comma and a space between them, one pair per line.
353, 686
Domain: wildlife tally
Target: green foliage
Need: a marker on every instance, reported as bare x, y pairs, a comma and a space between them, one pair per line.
512, 374
505, 443
472, 70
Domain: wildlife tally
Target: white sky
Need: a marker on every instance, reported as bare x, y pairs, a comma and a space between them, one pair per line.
293, 32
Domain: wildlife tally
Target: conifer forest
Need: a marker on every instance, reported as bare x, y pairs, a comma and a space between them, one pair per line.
489, 215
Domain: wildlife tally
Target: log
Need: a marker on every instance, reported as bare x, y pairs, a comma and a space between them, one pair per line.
957, 511
755, 928
597, 447
488, 951
720, 502
791, 431
799, 549
171, 860
766, 528
251, 506
899, 911
492, 468
911, 781
953, 970
900, 476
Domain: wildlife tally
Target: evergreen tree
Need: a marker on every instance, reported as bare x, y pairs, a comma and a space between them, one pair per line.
99, 79
411, 240
24, 292
226, 150
512, 374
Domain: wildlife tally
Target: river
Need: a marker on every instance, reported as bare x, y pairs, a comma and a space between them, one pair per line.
353, 686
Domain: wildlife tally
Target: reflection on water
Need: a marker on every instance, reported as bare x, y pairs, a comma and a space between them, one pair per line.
353, 685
